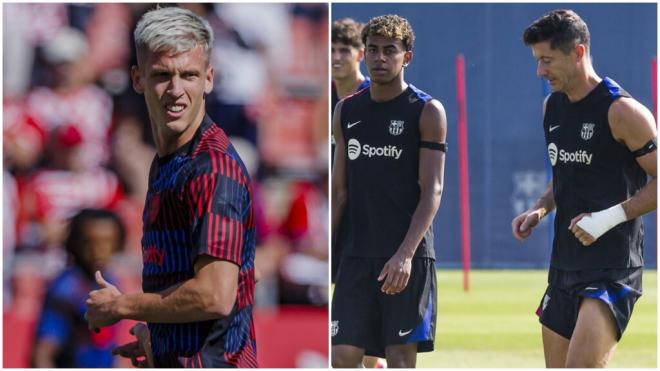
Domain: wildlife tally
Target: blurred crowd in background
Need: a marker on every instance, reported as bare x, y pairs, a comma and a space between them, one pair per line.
76, 136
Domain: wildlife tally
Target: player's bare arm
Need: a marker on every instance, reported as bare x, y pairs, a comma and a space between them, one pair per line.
633, 125
338, 187
210, 294
522, 225
433, 129
45, 353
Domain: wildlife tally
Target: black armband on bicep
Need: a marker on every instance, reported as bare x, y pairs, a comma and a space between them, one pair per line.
649, 147
433, 145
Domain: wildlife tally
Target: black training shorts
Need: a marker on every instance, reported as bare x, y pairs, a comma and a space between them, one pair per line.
367, 318
619, 289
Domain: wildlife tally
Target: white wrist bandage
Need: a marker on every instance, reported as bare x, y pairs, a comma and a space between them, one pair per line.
602, 221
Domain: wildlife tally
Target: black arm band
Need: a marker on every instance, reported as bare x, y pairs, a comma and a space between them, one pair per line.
435, 146
649, 147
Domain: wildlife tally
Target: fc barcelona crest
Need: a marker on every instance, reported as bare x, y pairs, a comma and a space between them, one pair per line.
334, 329
396, 127
587, 130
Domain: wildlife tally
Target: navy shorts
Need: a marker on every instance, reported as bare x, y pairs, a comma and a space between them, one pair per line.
367, 318
619, 289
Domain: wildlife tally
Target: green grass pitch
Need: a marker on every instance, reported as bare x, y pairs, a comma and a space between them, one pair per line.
494, 324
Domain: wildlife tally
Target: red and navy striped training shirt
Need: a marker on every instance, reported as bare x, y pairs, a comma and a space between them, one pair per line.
199, 202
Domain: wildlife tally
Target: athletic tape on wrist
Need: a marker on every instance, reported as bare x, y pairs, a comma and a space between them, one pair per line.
602, 221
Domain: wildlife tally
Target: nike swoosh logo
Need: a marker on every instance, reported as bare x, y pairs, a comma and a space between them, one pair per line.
351, 124
401, 333
412, 99
552, 128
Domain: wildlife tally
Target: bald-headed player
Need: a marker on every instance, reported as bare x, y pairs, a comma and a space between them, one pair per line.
602, 146
387, 179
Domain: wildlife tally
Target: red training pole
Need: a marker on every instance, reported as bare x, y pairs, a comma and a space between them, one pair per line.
464, 180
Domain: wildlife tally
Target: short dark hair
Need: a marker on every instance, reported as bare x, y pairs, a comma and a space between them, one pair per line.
347, 31
392, 26
75, 240
562, 27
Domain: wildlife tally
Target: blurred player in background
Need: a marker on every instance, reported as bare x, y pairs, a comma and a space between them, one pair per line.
63, 339
602, 145
347, 51
198, 242
387, 179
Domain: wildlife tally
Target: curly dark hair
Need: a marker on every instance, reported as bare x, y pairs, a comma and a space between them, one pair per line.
392, 26
75, 240
563, 28
347, 31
